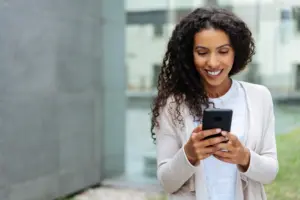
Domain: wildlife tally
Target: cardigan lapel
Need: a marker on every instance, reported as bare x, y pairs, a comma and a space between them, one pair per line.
249, 110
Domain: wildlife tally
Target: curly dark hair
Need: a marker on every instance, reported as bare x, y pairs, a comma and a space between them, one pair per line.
179, 78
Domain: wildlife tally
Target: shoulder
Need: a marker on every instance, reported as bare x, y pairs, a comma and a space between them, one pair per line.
261, 101
172, 104
171, 108
256, 91
254, 87
171, 114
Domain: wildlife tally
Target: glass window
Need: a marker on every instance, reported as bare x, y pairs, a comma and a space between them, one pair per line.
296, 14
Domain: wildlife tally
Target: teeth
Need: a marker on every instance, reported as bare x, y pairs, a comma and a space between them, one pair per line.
214, 73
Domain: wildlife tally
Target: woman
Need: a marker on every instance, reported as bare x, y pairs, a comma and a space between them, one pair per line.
206, 49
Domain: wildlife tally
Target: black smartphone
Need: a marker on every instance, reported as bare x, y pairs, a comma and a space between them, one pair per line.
217, 118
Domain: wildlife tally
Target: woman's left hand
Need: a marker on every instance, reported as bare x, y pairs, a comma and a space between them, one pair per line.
234, 153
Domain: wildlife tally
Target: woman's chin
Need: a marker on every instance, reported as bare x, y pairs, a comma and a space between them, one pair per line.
214, 82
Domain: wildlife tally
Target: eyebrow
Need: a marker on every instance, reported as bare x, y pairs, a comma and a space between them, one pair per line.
202, 47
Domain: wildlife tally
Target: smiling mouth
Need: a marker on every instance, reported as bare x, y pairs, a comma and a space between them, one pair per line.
214, 73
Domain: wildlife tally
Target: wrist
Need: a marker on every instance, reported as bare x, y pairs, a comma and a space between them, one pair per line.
246, 161
191, 159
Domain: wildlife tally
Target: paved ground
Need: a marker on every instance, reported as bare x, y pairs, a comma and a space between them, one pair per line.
117, 194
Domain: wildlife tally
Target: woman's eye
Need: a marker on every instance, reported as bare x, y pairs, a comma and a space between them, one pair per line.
202, 53
223, 52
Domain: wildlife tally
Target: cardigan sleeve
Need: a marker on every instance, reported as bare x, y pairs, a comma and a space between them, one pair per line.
174, 169
264, 166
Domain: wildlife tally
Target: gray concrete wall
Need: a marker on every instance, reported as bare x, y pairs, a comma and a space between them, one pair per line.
61, 94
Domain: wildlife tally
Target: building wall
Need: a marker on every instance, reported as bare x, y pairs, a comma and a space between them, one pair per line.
58, 82
143, 53
137, 5
276, 41
277, 47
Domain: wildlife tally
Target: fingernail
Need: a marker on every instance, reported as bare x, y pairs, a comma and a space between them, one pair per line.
218, 130
224, 133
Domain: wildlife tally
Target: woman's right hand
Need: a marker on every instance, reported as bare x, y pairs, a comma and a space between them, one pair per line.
197, 148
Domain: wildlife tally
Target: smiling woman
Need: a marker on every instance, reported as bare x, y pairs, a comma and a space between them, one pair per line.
213, 58
206, 48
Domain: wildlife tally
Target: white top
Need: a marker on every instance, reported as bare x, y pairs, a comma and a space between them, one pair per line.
220, 176
176, 174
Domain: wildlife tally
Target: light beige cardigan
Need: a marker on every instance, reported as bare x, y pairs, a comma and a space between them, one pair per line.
177, 175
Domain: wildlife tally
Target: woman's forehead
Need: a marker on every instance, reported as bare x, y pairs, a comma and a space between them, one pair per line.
211, 38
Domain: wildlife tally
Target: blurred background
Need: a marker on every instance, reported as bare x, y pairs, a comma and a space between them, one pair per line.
78, 78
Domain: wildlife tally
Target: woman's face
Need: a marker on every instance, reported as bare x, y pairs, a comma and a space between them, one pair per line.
213, 56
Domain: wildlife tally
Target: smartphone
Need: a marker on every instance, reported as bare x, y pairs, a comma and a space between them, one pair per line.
217, 118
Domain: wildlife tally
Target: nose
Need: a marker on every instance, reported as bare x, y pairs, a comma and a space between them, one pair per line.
213, 61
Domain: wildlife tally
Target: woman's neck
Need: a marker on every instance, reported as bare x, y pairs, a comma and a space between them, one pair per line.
218, 91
